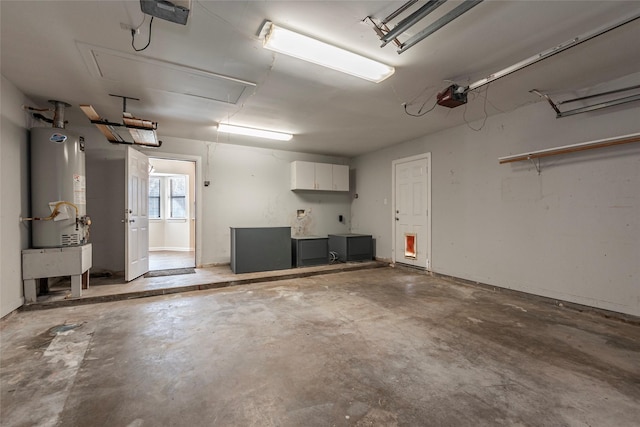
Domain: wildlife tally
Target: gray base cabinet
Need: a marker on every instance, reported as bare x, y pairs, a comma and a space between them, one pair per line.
260, 249
351, 247
309, 250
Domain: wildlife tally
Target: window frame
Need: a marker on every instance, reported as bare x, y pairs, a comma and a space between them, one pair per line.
166, 197
171, 197
159, 197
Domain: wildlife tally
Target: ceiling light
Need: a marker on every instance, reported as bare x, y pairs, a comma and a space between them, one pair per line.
285, 41
260, 133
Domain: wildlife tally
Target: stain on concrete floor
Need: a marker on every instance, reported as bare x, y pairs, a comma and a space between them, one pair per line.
378, 347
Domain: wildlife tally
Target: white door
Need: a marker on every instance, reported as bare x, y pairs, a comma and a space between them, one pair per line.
137, 214
412, 240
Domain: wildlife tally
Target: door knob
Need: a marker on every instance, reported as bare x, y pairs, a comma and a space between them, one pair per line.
132, 220
397, 219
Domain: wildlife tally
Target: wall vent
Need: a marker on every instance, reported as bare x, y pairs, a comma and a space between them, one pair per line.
70, 239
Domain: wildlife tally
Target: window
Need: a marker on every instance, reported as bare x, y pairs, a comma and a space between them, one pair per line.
154, 197
178, 196
168, 197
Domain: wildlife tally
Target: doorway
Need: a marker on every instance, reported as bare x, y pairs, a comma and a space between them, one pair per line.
412, 211
172, 213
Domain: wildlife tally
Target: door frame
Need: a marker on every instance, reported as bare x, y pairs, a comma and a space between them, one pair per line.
198, 190
394, 163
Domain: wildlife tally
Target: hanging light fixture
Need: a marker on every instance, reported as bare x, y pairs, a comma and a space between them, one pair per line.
290, 43
260, 133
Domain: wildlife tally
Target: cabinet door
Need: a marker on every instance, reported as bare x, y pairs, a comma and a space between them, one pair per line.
324, 176
302, 176
340, 178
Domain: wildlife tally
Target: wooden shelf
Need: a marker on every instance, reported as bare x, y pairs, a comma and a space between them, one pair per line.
591, 145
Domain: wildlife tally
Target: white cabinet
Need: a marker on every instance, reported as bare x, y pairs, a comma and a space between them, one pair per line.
324, 176
303, 176
319, 176
340, 174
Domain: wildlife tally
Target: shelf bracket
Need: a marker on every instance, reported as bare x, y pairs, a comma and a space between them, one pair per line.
536, 164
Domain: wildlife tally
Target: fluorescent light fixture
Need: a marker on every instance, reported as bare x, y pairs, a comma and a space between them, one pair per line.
260, 133
281, 40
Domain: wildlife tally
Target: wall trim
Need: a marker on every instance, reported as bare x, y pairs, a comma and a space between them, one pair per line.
214, 264
609, 314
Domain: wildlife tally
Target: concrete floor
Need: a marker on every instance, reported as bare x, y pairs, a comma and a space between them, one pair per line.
379, 347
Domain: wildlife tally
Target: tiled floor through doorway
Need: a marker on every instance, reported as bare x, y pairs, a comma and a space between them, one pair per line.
165, 260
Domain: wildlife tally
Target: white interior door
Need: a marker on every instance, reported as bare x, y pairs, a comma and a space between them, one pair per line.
412, 240
137, 214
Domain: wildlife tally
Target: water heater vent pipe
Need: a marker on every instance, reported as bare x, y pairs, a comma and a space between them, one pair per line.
58, 113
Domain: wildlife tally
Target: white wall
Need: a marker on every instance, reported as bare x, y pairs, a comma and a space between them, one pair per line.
105, 200
249, 188
571, 233
14, 188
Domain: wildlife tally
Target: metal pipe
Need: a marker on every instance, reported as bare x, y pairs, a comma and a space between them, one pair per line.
411, 20
124, 100
39, 116
455, 13
399, 10
58, 113
554, 50
597, 95
599, 106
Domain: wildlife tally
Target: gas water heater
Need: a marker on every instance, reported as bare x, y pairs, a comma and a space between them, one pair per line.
58, 187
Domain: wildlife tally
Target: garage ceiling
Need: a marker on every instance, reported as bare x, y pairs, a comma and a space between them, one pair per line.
214, 69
